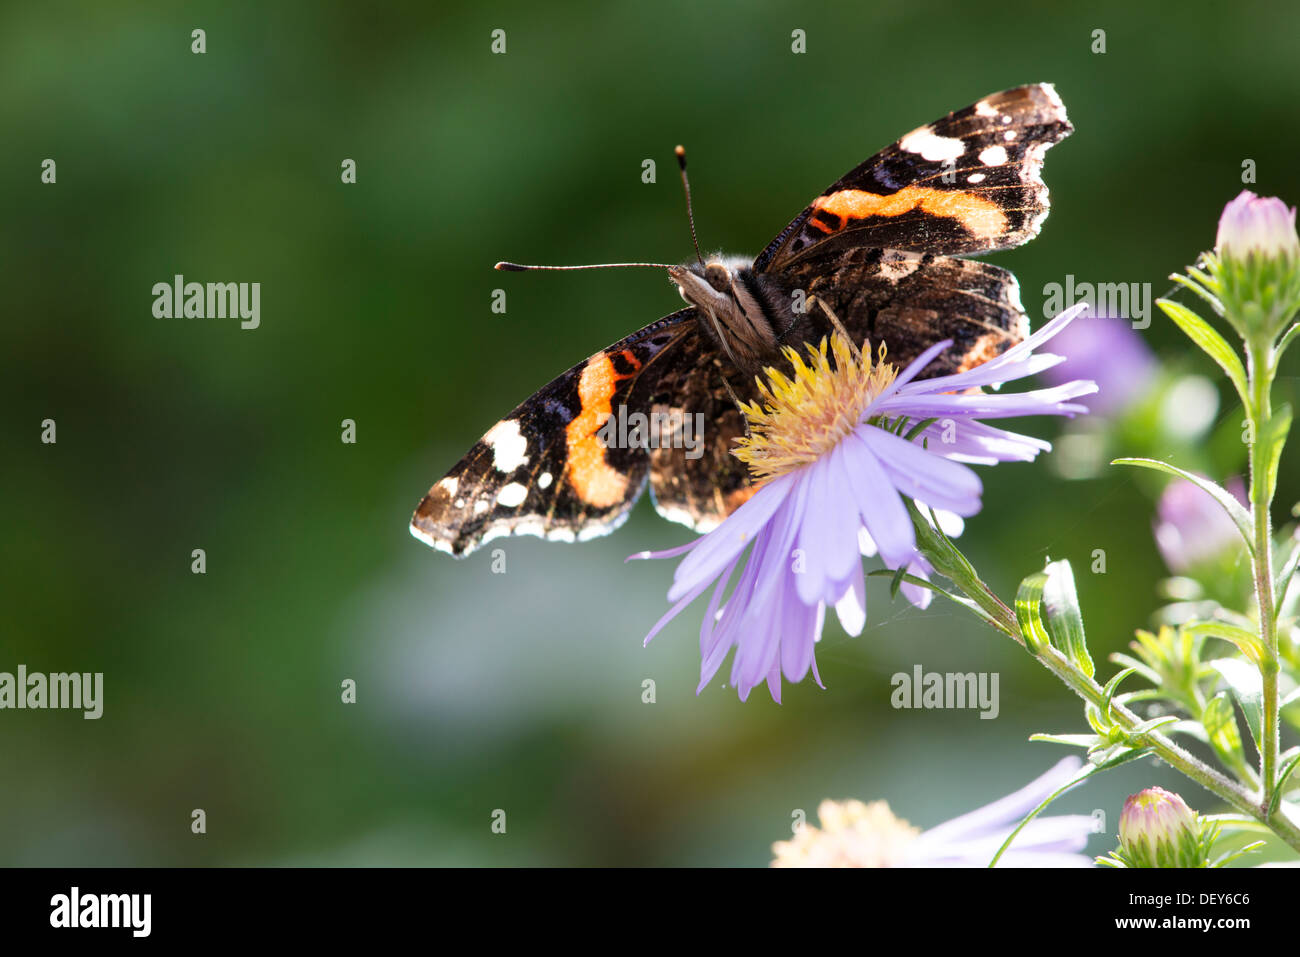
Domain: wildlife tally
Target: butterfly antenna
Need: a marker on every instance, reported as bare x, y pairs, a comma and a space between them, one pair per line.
690, 213
516, 267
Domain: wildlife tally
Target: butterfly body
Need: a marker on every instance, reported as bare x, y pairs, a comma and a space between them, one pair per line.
880, 249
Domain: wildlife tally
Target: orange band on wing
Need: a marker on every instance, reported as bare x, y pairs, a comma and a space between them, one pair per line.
594, 480
981, 217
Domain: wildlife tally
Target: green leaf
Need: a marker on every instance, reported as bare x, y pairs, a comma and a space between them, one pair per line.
1192, 728
1109, 691
1247, 642
1116, 755
1231, 856
1152, 724
1288, 766
897, 581
1203, 287
1236, 511
1221, 725
1062, 616
1274, 440
1047, 608
1029, 603
920, 427
1237, 823
1209, 342
1287, 566
1132, 664
1287, 338
1247, 687
1070, 740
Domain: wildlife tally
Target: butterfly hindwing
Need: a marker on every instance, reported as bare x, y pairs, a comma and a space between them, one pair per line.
544, 469
910, 300
698, 483
968, 183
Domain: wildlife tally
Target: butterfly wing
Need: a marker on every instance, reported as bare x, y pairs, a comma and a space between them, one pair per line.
698, 482
909, 301
544, 470
968, 183
874, 247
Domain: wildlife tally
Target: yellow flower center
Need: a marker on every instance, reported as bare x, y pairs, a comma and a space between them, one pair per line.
802, 418
852, 834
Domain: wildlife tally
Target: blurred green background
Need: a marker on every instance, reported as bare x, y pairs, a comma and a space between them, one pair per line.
519, 691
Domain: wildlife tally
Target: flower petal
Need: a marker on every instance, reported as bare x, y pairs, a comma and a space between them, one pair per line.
852, 606
716, 549
879, 503
828, 544
1009, 809
920, 473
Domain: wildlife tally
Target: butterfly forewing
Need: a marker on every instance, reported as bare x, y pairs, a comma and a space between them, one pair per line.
544, 469
968, 183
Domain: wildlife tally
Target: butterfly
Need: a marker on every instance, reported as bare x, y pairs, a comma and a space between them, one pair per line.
880, 249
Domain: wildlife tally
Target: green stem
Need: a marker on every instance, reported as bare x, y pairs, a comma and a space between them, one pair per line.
1261, 369
1174, 755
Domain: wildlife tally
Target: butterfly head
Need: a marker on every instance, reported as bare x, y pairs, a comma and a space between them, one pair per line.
732, 305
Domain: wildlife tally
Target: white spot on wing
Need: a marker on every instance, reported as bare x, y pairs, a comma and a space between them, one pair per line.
509, 447
512, 495
985, 108
975, 178
993, 156
931, 146
544, 480
422, 535
481, 506
449, 484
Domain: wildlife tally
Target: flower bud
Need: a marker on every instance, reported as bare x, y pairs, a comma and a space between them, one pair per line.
1158, 829
1262, 225
1255, 271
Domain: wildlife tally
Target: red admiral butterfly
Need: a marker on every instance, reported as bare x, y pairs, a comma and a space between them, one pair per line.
876, 248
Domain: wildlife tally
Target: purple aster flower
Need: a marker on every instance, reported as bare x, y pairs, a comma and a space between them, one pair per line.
834, 469
853, 834
1106, 350
1191, 527
1257, 224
